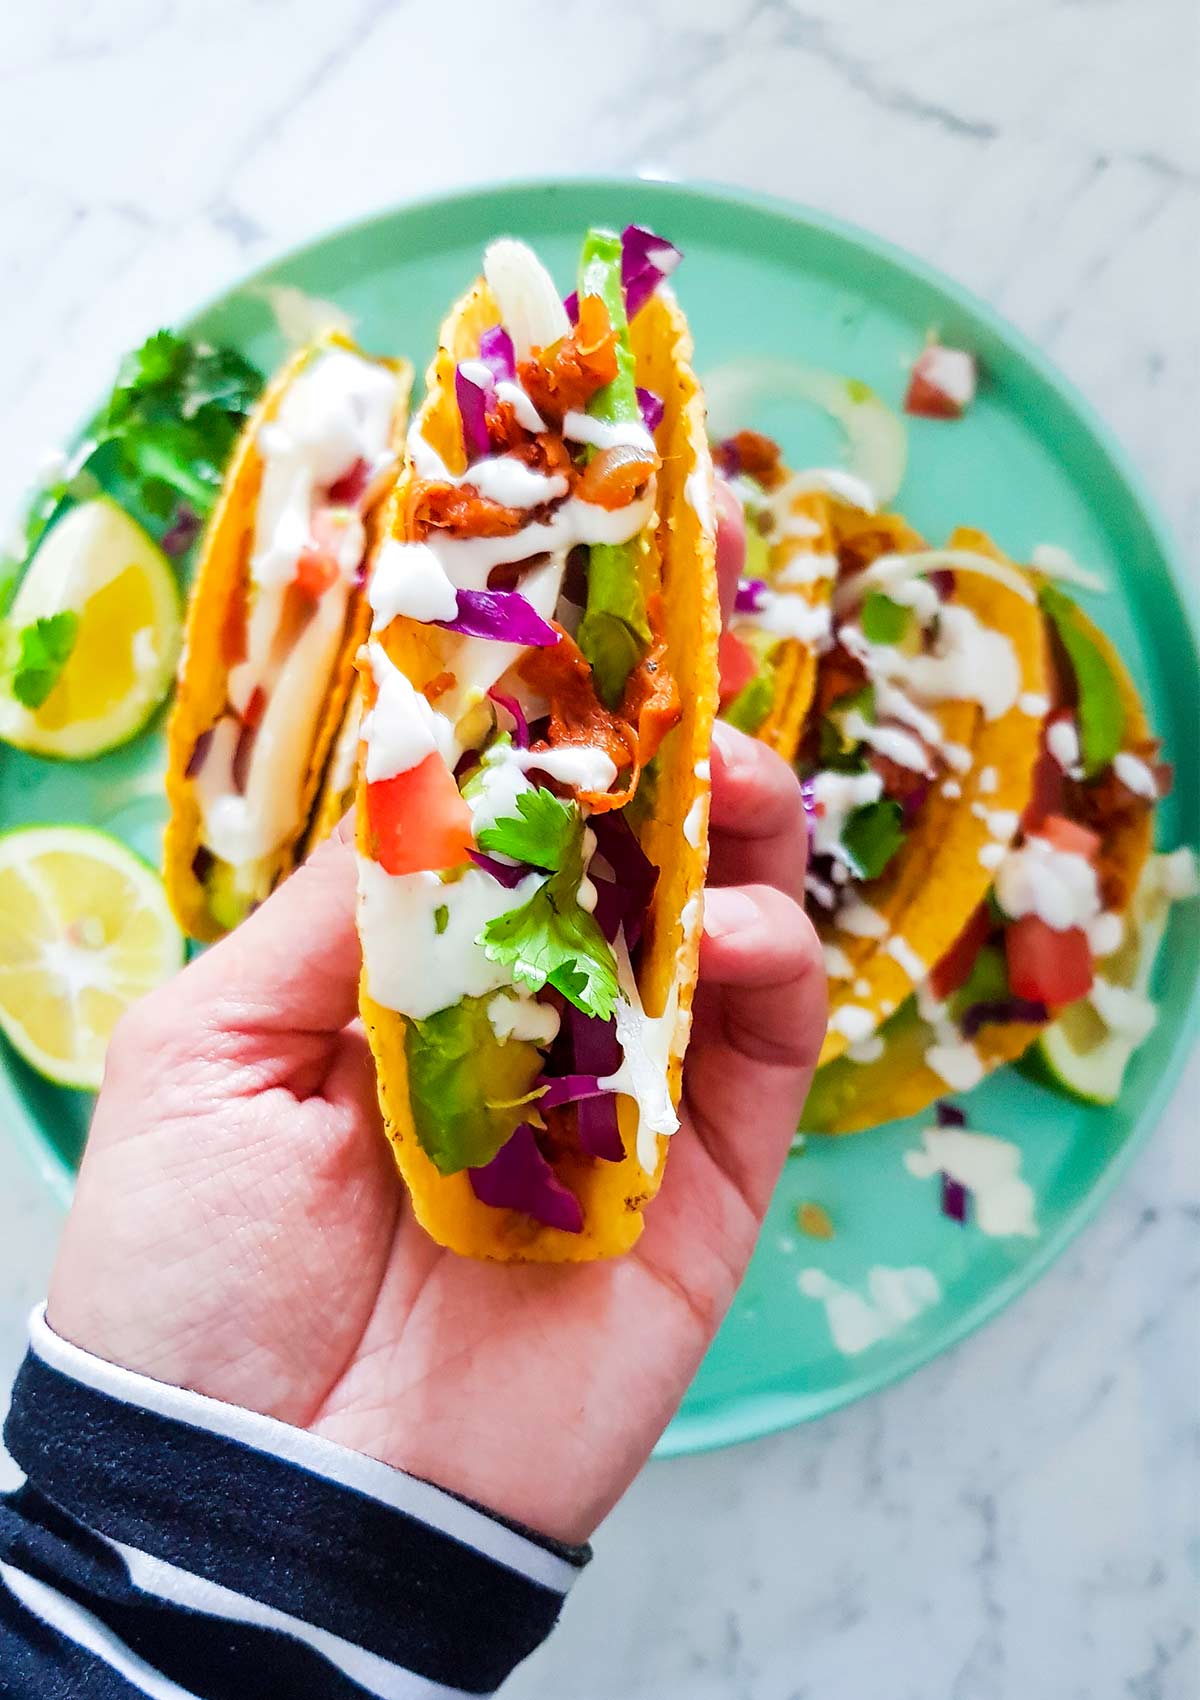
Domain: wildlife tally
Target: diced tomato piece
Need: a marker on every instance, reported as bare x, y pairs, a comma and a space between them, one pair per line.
315, 572
738, 666
1067, 835
942, 385
253, 711
954, 968
1046, 798
233, 626
1049, 966
417, 819
348, 490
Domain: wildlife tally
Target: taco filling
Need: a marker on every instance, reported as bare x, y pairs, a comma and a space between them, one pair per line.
1052, 933
325, 456
779, 617
519, 685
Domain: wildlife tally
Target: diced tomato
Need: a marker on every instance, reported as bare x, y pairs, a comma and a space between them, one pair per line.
233, 626
1046, 965
954, 968
738, 666
1067, 835
417, 820
1046, 797
348, 490
315, 572
942, 385
253, 711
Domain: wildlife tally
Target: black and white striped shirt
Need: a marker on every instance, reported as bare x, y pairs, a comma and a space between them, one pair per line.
168, 1545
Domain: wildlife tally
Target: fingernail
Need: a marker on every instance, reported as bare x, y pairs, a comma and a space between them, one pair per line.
728, 909
344, 830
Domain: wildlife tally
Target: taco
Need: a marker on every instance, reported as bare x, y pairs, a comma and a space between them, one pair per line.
918, 755
540, 686
1054, 925
780, 619
275, 617
335, 797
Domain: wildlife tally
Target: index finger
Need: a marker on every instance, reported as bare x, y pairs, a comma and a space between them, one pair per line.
758, 832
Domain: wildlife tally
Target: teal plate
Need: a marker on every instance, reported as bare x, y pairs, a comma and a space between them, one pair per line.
1029, 463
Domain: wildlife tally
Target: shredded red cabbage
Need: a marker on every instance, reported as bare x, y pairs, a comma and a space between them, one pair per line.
914, 801
808, 797
956, 1199
502, 614
1000, 1010
942, 580
625, 900
520, 724
568, 1089
727, 458
509, 874
202, 863
519, 1178
949, 1115
496, 350
199, 754
652, 409
597, 1050
181, 533
646, 259
472, 401
751, 596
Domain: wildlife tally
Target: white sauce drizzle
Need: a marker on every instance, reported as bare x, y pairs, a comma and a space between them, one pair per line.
520, 1016
693, 824
407, 578
989, 1168
1135, 775
894, 1298
1056, 885
951, 1057
893, 569
838, 965
867, 1050
853, 1022
1053, 561
646, 1042
1033, 704
698, 491
861, 921
806, 567
901, 952
1062, 741
607, 434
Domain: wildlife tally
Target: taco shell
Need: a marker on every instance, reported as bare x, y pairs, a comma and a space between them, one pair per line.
219, 587
682, 568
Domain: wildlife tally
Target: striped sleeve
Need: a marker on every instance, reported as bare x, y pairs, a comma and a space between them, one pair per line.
166, 1544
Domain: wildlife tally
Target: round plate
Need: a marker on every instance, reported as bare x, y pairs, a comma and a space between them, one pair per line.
1029, 463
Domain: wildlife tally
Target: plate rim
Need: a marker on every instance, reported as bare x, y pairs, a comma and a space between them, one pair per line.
752, 1416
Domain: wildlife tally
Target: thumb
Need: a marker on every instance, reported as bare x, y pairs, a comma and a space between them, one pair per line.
293, 966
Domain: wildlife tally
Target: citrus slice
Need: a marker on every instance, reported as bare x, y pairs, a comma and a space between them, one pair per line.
100, 565
1088, 1047
85, 930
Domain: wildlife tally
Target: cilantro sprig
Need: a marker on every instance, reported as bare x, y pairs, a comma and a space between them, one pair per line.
34, 656
164, 435
550, 939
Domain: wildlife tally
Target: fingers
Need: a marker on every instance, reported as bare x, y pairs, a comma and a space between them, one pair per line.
758, 834
294, 965
760, 1020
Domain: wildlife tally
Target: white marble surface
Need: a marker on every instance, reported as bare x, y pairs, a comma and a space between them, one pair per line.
1017, 1521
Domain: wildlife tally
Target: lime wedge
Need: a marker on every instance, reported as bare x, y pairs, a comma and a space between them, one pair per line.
1087, 1049
85, 930
100, 565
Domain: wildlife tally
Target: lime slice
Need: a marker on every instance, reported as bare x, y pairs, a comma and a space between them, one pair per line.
1088, 1047
99, 564
85, 930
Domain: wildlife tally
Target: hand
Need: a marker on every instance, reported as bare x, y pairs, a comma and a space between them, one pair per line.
239, 1228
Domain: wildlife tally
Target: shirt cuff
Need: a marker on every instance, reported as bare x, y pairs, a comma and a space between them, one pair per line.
289, 1547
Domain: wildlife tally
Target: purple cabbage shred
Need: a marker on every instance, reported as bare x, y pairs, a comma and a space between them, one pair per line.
652, 409
505, 615
956, 1199
949, 1115
1001, 1011
751, 596
472, 401
496, 350
519, 1178
520, 724
510, 875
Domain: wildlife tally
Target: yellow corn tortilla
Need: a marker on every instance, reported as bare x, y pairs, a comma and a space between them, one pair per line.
200, 698
848, 1096
795, 664
336, 796
682, 563
928, 891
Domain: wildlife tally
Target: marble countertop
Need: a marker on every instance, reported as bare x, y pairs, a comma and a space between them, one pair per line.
1017, 1520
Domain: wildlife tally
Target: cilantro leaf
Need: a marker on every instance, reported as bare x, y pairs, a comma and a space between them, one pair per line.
872, 835
43, 651
542, 835
551, 940
884, 621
